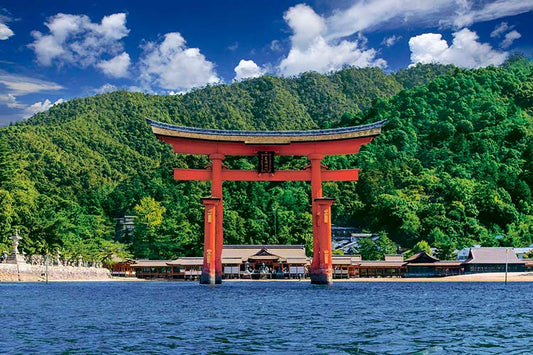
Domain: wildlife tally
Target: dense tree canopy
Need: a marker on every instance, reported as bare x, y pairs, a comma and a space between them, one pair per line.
453, 166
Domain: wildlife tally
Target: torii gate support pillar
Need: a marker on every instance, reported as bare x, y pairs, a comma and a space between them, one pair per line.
209, 266
216, 191
321, 266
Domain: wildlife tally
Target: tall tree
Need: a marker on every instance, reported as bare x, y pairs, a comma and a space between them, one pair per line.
148, 217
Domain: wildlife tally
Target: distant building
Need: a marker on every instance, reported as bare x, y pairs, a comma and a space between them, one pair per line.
290, 261
238, 261
347, 239
493, 260
425, 265
419, 265
463, 253
338, 232
121, 267
152, 269
521, 252
345, 266
392, 266
187, 268
125, 228
254, 261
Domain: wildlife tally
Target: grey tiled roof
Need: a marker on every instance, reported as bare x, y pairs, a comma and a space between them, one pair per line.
291, 133
492, 256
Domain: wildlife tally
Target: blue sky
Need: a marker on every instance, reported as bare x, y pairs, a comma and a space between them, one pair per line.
52, 51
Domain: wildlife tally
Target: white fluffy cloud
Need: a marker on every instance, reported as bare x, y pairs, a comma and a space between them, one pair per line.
373, 14
172, 65
510, 34
509, 38
75, 40
427, 47
465, 51
5, 32
22, 85
311, 51
12, 86
105, 89
116, 67
471, 12
10, 101
390, 41
112, 27
276, 46
40, 107
247, 69
306, 25
500, 29
324, 44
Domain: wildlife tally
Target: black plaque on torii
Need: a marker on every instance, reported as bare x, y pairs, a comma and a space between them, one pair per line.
266, 162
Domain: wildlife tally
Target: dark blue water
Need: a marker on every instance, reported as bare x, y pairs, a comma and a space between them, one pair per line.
266, 317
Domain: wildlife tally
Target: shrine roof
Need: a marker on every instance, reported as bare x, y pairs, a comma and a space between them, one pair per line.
345, 259
187, 261
266, 137
499, 255
246, 251
380, 264
421, 257
150, 263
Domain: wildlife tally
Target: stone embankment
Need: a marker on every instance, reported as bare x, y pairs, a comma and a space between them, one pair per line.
35, 273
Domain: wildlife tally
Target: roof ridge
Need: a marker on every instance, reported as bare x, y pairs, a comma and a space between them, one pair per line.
285, 133
267, 246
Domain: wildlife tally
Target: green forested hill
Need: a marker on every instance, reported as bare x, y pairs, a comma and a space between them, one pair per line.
452, 167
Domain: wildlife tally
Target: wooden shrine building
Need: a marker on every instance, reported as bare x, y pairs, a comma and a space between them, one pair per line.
290, 262
238, 262
493, 260
264, 261
315, 144
424, 265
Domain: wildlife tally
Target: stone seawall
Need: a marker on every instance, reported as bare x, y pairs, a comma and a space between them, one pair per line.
34, 273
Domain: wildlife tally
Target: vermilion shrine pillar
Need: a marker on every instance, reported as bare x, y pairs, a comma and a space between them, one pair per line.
208, 269
321, 266
216, 191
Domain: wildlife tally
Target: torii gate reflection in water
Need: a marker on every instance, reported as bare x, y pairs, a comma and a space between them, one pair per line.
266, 144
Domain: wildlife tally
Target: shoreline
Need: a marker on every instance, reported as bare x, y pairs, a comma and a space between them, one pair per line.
480, 277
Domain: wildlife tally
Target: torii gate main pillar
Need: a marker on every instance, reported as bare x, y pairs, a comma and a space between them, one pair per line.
210, 220
321, 267
216, 191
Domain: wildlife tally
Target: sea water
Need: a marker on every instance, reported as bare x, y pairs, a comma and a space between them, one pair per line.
266, 317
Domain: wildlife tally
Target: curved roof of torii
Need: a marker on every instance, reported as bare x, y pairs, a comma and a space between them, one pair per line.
266, 137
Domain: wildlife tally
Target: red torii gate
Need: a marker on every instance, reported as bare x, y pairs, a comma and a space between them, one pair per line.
315, 144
